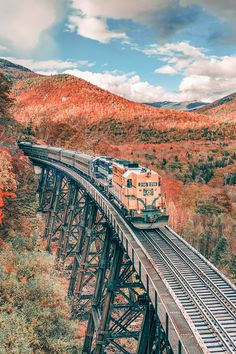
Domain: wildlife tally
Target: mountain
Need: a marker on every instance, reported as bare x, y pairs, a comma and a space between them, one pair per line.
68, 99
225, 106
67, 110
187, 106
15, 72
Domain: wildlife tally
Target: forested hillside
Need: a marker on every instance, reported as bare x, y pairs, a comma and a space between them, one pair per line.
34, 316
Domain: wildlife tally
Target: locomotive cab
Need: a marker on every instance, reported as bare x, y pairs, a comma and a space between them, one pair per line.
139, 191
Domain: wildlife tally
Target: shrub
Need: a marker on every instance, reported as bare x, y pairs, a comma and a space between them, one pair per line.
34, 316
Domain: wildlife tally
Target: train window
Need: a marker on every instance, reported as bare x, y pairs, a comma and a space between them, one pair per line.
148, 192
129, 183
152, 184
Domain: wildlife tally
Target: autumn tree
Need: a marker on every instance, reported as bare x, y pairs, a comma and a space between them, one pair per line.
5, 100
7, 180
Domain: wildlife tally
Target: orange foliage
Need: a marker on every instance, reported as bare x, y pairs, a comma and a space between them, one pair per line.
7, 181
64, 98
8, 269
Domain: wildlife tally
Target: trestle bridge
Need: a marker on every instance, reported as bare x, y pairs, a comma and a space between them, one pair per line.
140, 291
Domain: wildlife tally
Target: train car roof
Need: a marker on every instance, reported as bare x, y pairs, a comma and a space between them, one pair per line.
140, 171
55, 148
40, 146
85, 156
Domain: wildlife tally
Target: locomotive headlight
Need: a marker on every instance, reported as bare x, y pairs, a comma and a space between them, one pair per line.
162, 210
139, 212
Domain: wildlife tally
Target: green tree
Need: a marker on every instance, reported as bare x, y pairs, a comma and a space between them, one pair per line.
163, 163
233, 266
219, 253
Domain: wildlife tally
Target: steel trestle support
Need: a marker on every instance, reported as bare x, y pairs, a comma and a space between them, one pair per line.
104, 288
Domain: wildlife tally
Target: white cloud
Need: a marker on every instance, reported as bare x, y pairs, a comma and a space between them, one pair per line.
166, 69
119, 9
170, 49
87, 63
127, 85
215, 67
205, 77
50, 66
209, 78
94, 28
23, 22
89, 17
205, 88
179, 56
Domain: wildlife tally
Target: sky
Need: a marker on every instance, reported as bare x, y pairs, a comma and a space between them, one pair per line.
144, 50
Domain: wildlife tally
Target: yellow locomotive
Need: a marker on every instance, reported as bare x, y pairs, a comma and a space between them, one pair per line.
139, 191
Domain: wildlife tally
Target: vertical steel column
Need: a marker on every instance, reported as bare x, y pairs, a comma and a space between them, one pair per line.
148, 332
161, 343
77, 252
74, 228
43, 187
41, 184
52, 212
122, 310
108, 301
83, 262
66, 224
95, 314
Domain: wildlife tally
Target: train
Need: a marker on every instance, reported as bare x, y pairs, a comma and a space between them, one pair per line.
135, 190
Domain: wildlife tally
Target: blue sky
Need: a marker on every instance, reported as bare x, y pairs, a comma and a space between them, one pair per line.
144, 50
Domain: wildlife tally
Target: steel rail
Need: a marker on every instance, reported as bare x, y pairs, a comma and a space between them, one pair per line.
207, 263
192, 294
203, 277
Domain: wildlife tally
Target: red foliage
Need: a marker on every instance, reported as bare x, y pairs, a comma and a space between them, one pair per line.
64, 98
4, 195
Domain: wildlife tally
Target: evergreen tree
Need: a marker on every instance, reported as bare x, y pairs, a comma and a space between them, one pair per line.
218, 256
233, 265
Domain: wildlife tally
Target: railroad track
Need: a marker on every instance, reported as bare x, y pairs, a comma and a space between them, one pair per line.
208, 299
